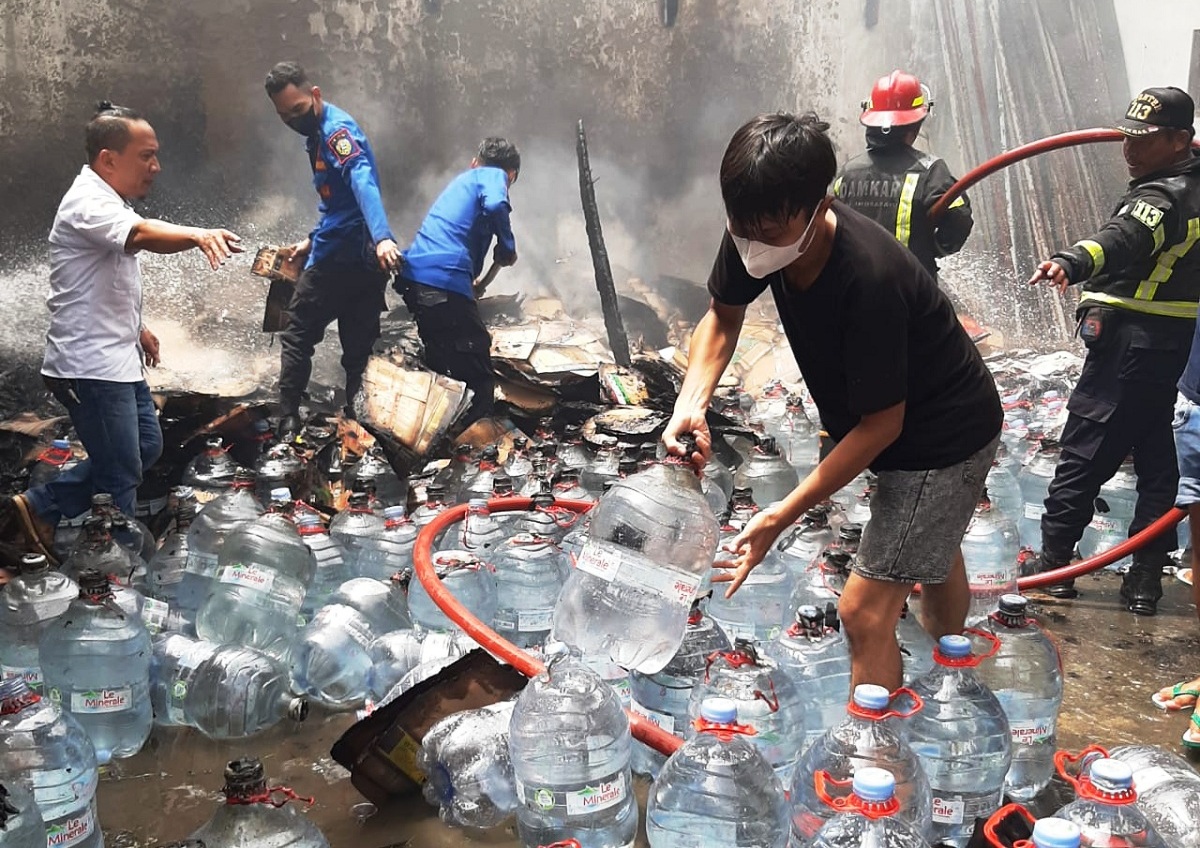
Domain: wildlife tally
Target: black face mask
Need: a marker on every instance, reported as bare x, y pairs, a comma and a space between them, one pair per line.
307, 124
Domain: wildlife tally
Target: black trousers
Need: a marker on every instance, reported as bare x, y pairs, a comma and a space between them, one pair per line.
457, 342
352, 295
1122, 406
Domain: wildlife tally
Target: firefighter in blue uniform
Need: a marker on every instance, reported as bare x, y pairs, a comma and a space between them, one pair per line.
347, 258
1140, 276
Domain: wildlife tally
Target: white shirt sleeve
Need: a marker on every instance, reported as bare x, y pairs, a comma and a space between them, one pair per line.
105, 222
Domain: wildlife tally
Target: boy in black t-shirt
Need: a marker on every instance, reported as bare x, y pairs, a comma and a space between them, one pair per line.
897, 382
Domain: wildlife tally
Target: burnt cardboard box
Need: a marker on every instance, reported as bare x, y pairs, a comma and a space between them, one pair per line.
381, 750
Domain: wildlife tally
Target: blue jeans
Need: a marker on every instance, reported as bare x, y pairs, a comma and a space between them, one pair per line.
118, 425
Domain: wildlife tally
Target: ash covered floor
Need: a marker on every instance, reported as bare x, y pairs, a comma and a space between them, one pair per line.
1112, 660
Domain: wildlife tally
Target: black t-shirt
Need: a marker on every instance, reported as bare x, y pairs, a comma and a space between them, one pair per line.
874, 330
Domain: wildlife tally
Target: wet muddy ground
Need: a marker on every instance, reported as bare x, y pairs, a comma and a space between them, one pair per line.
1113, 662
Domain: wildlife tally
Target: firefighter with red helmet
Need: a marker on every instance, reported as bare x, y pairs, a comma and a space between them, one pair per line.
895, 184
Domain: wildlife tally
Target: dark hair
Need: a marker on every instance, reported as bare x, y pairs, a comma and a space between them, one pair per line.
499, 153
775, 167
108, 129
285, 74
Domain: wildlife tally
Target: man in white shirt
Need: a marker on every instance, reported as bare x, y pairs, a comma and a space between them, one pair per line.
96, 343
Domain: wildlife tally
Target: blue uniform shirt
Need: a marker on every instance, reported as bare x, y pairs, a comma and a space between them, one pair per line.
450, 248
344, 174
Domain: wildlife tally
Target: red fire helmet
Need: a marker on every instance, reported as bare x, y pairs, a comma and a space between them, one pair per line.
896, 100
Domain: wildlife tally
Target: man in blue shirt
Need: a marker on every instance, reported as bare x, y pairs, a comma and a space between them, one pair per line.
439, 272
347, 258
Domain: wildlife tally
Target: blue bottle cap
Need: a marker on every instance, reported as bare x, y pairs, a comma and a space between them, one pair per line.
283, 493
871, 697
955, 647
392, 513
1056, 833
807, 611
874, 784
62, 444
718, 710
477, 503
1113, 774
308, 519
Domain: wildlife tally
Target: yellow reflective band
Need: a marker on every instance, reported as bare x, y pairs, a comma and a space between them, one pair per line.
919, 101
1167, 259
958, 201
1166, 308
904, 210
837, 187
1096, 251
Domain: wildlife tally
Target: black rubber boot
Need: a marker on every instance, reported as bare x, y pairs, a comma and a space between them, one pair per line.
1141, 587
1065, 590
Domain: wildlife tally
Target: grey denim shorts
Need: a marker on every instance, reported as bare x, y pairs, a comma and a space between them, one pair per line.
918, 519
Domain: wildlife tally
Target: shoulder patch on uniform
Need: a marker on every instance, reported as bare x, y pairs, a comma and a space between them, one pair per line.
1149, 215
343, 146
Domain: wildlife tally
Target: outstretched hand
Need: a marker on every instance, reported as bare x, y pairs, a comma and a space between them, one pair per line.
217, 245
749, 549
1052, 273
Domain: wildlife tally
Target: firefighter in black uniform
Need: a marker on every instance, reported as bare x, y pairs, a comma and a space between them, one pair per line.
1140, 276
896, 185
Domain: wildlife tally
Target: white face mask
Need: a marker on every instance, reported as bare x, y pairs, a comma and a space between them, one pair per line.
763, 259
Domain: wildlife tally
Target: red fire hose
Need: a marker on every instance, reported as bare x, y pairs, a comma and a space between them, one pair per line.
1025, 151
493, 642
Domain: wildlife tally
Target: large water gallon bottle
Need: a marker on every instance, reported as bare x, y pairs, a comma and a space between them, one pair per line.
1025, 675
1106, 811
1034, 481
395, 654
770, 475
816, 655
52, 462
1055, 833
229, 693
98, 550
461, 466
518, 465
468, 578
173, 663
434, 505
716, 483
127, 531
211, 472
262, 574
717, 789
572, 450
35, 596
759, 607
207, 536
742, 508
478, 482
281, 467
1168, 791
546, 519
865, 738
990, 548
569, 488
963, 740
916, 646
530, 572
1003, 488
332, 657
96, 663
354, 527
569, 745
1113, 514
652, 539
769, 408
822, 583
663, 697
799, 439
329, 563
539, 479
373, 472
604, 466
869, 816
21, 824
45, 750
766, 700
479, 532
390, 551
255, 816
502, 490
470, 776
165, 571
801, 545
